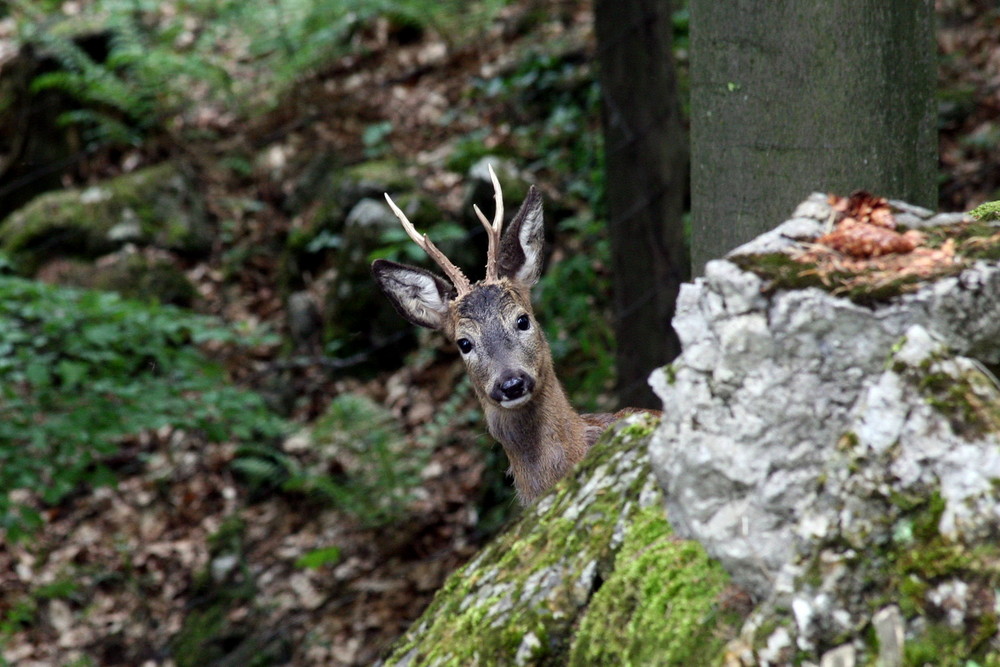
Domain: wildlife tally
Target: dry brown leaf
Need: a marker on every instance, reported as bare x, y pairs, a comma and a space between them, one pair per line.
861, 239
864, 207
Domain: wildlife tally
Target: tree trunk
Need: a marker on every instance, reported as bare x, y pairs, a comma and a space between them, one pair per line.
646, 166
790, 97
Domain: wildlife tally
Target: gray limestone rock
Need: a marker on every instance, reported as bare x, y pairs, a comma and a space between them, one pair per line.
811, 443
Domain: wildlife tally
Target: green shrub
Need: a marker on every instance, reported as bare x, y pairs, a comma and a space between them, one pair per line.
357, 460
79, 370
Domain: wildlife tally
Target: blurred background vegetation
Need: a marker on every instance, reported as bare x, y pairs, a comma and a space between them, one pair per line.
193, 359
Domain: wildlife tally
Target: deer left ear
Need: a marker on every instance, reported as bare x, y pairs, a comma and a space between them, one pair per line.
418, 295
520, 256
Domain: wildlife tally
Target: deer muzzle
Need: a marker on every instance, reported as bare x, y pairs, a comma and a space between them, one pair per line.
512, 389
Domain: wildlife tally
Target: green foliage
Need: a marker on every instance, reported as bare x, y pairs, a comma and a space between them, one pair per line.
79, 370
216, 56
318, 558
395, 245
554, 101
375, 138
573, 300
358, 460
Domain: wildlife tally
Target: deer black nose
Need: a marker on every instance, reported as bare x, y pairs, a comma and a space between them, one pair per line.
512, 386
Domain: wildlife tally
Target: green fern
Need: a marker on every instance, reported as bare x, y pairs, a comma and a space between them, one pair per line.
241, 57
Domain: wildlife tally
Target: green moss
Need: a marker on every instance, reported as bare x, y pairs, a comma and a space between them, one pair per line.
967, 399
640, 429
847, 442
908, 569
528, 591
898, 557
973, 240
155, 206
660, 605
944, 646
785, 273
988, 212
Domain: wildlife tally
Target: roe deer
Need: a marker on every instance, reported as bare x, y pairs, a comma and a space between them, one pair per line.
504, 350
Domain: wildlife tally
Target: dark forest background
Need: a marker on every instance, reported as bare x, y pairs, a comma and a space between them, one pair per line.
218, 444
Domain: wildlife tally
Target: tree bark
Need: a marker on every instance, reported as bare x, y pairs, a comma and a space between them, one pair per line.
790, 97
646, 167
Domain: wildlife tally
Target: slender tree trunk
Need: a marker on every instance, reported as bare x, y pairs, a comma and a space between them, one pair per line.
646, 164
790, 97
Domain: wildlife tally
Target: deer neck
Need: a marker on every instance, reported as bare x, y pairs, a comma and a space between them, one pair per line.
542, 439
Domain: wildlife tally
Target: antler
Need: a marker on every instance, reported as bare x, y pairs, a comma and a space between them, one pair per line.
492, 231
454, 273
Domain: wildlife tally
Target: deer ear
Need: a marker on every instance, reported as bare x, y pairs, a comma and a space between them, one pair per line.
520, 256
419, 296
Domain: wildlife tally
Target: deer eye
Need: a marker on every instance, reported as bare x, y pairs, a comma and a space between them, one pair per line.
523, 323
465, 345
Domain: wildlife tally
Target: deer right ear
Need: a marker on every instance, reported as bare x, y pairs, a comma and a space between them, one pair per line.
418, 295
521, 246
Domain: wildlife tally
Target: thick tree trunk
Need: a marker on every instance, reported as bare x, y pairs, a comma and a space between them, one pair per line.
646, 163
790, 97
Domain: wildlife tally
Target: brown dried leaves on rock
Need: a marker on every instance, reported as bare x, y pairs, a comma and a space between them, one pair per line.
864, 239
864, 250
865, 227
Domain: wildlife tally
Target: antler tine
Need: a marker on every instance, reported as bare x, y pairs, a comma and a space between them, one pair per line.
454, 273
492, 231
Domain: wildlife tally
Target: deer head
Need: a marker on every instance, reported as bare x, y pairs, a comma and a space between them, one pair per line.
505, 353
491, 321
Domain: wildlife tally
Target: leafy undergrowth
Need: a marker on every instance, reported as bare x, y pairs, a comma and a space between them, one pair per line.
82, 371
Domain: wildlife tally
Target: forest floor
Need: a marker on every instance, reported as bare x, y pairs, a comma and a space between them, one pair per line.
183, 562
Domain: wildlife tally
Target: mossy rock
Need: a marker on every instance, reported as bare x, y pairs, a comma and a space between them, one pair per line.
973, 241
590, 572
132, 275
988, 212
158, 206
345, 187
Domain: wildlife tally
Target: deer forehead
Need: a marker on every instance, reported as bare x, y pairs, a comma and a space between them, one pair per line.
489, 313
490, 302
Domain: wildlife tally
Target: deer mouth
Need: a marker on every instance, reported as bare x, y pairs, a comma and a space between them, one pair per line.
515, 402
